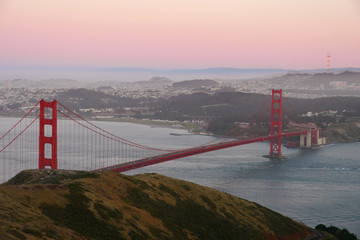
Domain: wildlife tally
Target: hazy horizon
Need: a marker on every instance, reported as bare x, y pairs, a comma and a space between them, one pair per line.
125, 74
139, 74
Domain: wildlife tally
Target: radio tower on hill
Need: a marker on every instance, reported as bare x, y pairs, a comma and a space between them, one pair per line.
328, 61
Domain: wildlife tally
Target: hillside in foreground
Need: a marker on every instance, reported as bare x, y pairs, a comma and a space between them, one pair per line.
57, 204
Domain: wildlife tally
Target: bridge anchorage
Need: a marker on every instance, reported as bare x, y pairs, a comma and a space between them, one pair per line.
65, 140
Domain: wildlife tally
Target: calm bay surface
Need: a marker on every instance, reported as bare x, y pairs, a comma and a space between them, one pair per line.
320, 185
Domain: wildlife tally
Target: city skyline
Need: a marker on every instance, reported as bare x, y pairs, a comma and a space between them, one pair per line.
179, 34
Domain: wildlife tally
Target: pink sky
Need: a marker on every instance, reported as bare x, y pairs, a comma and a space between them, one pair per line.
167, 34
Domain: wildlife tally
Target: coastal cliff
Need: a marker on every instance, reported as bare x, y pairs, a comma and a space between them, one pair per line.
346, 132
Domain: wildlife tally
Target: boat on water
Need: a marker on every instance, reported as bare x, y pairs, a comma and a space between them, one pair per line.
181, 134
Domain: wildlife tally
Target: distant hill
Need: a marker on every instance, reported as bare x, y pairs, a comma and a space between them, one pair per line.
48, 83
85, 98
216, 70
239, 105
155, 82
196, 83
328, 84
186, 73
325, 79
236, 106
160, 80
58, 204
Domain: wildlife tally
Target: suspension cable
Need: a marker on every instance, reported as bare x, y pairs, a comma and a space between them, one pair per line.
20, 120
19, 134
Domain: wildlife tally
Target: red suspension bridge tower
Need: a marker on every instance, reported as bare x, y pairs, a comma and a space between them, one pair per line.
48, 158
276, 121
328, 62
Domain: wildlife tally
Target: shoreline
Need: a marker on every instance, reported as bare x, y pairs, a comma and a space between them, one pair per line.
181, 125
192, 128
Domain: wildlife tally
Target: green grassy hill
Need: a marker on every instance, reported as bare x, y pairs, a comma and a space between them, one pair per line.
56, 204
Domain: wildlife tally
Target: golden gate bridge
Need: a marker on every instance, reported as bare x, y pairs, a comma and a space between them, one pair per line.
50, 135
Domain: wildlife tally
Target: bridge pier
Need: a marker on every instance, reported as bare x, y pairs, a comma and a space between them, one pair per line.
305, 140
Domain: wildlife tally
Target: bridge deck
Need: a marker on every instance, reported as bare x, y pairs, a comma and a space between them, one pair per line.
192, 151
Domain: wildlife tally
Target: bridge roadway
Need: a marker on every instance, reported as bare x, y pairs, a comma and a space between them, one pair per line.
192, 151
